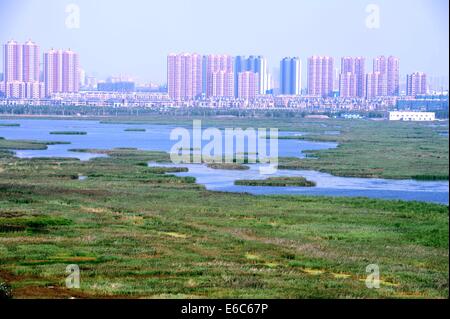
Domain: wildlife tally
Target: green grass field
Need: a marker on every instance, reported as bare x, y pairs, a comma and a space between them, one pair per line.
140, 232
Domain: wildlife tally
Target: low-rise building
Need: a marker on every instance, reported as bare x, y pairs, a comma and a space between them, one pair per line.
412, 116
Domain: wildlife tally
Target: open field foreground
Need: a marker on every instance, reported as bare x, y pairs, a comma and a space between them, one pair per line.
138, 232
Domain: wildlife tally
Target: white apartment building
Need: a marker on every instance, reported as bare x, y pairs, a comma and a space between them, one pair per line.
412, 116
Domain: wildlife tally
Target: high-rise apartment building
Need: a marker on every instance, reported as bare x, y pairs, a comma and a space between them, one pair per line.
240, 65
61, 72
320, 76
390, 68
204, 74
21, 64
31, 70
416, 84
255, 64
336, 76
184, 76
220, 80
291, 76
348, 84
70, 72
393, 76
12, 62
13, 86
31, 62
264, 85
52, 72
354, 68
376, 85
248, 85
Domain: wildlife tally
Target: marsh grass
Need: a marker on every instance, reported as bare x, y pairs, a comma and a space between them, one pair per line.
277, 182
138, 231
32, 223
135, 130
378, 150
68, 133
7, 145
228, 166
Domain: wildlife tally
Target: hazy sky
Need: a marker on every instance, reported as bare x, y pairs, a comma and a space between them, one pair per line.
134, 36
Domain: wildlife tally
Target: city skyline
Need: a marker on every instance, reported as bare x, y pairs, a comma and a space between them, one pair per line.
194, 76
299, 31
269, 81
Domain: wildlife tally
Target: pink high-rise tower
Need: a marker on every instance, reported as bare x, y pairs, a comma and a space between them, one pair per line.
12, 62
248, 85
31, 70
61, 72
53, 72
416, 84
347, 84
320, 76
393, 76
70, 72
219, 76
13, 70
21, 65
390, 69
184, 76
376, 85
31, 62
352, 78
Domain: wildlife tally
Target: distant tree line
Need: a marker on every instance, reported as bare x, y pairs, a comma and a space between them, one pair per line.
101, 111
